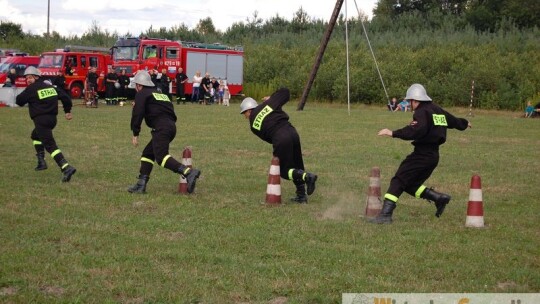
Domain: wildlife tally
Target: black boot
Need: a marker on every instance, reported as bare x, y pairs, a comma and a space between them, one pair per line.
385, 217
67, 173
191, 177
301, 196
41, 164
440, 199
310, 182
140, 186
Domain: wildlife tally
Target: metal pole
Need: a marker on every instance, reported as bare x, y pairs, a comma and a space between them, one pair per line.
318, 60
48, 15
472, 95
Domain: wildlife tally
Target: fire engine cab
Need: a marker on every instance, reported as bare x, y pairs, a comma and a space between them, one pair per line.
74, 62
222, 62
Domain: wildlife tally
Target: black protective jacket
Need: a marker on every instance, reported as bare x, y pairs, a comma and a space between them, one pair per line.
42, 99
429, 125
268, 117
151, 106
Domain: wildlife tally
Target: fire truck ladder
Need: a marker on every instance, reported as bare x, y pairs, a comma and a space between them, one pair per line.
82, 48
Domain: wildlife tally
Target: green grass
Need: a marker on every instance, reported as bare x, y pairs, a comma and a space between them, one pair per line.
92, 241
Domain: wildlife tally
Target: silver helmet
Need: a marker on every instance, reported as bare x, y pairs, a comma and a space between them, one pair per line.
143, 78
417, 92
32, 70
247, 104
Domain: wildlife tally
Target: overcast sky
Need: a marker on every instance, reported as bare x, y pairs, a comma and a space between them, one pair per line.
74, 17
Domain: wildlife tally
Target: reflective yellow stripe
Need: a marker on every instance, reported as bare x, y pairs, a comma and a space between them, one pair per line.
439, 120
290, 173
420, 191
37, 142
165, 160
65, 165
391, 197
257, 123
144, 159
161, 97
56, 152
304, 176
186, 171
46, 93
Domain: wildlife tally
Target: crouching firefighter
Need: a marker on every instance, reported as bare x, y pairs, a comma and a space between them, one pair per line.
270, 123
42, 99
427, 132
158, 112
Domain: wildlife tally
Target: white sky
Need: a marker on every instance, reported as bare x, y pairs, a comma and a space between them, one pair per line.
74, 17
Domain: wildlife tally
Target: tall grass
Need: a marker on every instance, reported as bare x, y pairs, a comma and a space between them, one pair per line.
91, 241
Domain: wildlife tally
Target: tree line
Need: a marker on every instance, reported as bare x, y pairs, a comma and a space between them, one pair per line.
443, 44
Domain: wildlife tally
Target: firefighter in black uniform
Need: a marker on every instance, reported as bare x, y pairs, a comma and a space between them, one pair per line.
270, 123
427, 132
180, 79
158, 112
92, 87
42, 99
164, 82
123, 80
110, 86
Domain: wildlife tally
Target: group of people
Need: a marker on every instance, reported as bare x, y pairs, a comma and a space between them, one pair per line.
394, 106
208, 90
268, 121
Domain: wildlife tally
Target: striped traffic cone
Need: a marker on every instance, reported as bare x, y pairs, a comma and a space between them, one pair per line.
475, 209
273, 189
186, 161
373, 200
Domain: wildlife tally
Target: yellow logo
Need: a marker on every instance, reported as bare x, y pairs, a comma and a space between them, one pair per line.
439, 120
46, 93
161, 97
257, 123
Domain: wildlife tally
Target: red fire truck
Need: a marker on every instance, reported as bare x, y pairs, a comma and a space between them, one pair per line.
75, 62
222, 62
19, 63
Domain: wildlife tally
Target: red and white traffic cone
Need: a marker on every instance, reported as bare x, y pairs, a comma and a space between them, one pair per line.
373, 200
475, 209
273, 189
186, 161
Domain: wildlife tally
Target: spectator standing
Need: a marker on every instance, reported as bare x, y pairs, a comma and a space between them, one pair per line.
196, 91
60, 81
92, 86
165, 81
180, 80
110, 89
206, 84
123, 81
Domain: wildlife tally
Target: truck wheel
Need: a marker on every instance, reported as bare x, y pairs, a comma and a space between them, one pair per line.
76, 91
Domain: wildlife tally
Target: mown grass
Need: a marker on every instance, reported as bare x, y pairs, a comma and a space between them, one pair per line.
92, 241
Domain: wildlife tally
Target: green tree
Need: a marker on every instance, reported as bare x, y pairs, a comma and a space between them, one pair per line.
206, 27
10, 30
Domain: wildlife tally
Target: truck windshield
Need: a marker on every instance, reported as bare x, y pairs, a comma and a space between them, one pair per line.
4, 67
125, 53
51, 61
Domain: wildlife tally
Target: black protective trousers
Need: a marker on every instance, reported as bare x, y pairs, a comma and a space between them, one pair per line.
158, 147
286, 145
414, 170
43, 127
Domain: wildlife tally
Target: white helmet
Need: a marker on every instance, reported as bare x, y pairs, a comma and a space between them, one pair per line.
143, 78
32, 70
117, 85
247, 104
417, 92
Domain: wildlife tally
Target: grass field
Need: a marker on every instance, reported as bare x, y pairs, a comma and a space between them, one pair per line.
90, 241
